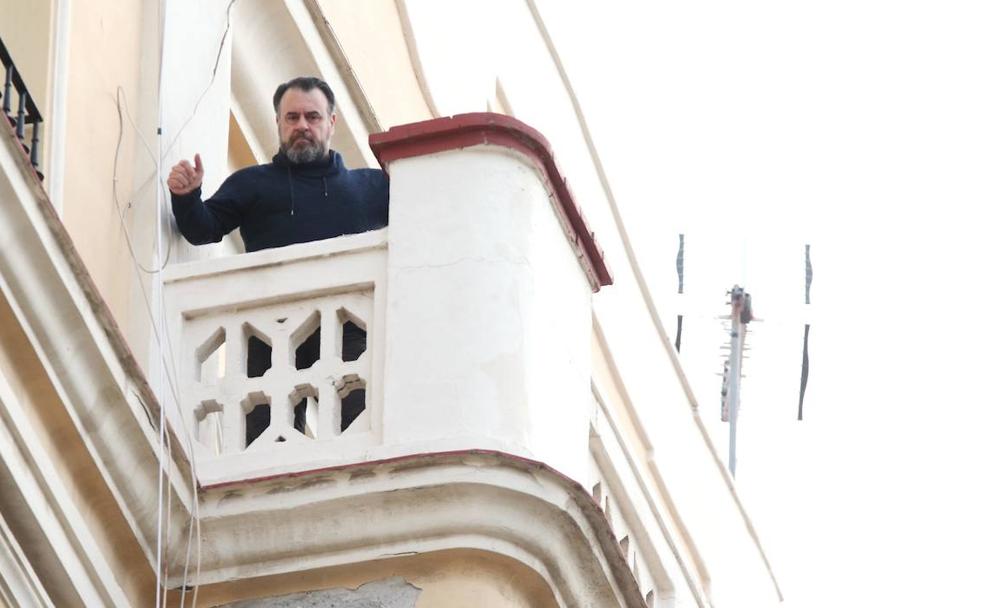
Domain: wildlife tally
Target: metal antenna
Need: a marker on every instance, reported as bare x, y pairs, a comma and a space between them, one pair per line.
805, 373
741, 314
679, 269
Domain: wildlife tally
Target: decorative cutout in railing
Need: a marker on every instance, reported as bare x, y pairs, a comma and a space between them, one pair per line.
27, 111
280, 373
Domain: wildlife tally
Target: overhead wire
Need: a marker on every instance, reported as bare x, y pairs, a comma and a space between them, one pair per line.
165, 447
196, 519
194, 530
215, 71
161, 587
121, 111
195, 523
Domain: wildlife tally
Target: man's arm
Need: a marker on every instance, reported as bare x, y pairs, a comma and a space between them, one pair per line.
201, 223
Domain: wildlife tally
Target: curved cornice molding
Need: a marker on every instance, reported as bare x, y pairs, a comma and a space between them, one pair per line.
483, 500
484, 128
82, 353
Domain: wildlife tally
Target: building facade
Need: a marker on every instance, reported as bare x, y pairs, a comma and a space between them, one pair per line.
495, 415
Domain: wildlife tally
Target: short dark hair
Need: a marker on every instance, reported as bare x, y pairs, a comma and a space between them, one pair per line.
304, 83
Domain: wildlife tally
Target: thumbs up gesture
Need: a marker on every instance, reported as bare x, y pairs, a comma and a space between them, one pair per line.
184, 178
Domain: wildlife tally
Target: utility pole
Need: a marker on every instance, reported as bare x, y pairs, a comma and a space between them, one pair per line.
679, 269
741, 314
805, 373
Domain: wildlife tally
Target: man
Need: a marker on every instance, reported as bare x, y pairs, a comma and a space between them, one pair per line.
305, 194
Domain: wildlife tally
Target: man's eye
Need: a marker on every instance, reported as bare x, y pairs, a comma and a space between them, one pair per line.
313, 117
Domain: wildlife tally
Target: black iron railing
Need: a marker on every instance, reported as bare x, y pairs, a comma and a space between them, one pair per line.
27, 112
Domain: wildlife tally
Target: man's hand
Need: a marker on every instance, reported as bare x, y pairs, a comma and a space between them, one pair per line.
184, 178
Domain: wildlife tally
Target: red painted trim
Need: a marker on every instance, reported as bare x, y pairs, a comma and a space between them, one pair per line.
484, 128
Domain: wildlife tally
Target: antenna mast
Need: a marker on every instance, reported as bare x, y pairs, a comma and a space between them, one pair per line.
805, 373
679, 269
741, 314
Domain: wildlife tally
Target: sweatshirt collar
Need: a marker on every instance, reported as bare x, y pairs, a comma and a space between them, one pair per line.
330, 164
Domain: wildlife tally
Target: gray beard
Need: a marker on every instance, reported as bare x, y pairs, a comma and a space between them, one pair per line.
304, 154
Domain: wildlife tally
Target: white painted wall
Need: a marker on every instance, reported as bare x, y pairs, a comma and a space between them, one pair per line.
488, 310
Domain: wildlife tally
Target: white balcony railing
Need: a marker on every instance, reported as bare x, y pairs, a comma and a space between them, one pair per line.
276, 352
483, 279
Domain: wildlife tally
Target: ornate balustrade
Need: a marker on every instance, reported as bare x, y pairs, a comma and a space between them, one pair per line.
27, 113
275, 353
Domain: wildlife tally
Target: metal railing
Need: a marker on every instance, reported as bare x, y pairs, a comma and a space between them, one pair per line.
27, 110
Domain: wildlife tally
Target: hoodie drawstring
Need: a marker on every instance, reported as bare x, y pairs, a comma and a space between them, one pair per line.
290, 183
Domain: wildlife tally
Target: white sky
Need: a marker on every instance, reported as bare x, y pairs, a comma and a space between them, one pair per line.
857, 126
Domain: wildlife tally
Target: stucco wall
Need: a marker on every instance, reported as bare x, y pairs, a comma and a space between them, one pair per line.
106, 44
25, 28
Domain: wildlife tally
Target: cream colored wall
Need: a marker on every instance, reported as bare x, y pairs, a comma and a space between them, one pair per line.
482, 579
448, 579
372, 37
106, 43
26, 32
240, 154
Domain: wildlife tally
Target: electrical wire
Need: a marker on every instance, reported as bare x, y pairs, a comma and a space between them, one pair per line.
196, 519
160, 330
215, 70
161, 588
120, 104
165, 437
167, 370
195, 523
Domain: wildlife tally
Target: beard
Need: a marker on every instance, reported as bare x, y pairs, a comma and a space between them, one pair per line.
302, 149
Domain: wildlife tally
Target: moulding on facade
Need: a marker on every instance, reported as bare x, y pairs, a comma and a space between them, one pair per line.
19, 583
83, 355
490, 501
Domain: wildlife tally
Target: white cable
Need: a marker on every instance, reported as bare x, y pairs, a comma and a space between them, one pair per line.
171, 384
159, 285
195, 522
159, 330
123, 110
159, 324
215, 69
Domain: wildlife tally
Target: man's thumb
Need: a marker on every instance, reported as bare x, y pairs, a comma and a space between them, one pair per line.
199, 169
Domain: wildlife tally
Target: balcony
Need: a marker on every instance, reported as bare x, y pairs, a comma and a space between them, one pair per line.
24, 113
464, 325
404, 360
435, 388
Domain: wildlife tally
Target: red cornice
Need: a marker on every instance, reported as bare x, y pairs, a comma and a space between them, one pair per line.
484, 128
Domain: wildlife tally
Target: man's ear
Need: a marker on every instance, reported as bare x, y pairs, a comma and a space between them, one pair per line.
333, 117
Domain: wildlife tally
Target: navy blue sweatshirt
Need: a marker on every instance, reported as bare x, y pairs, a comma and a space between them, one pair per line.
283, 203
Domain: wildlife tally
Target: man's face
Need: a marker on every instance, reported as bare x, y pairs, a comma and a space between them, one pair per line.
305, 124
